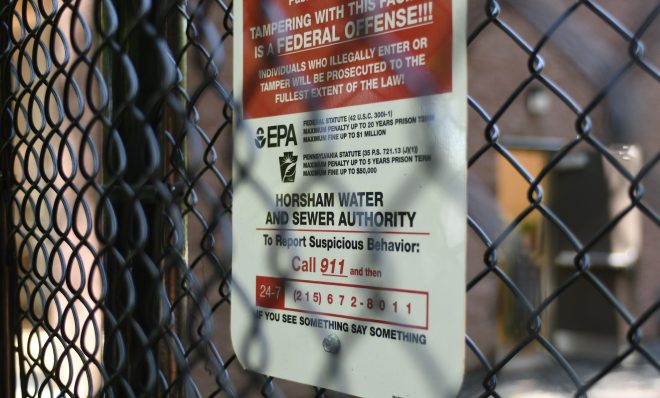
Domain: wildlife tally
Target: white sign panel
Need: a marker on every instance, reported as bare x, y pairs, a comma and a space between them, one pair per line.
349, 212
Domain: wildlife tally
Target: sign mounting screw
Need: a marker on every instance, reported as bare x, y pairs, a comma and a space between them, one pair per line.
331, 344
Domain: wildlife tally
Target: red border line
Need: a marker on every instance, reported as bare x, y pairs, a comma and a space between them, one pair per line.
426, 294
343, 231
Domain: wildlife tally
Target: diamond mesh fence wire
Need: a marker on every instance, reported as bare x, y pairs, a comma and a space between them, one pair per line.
116, 197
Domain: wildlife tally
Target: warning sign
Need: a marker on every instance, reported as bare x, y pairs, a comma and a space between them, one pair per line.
349, 211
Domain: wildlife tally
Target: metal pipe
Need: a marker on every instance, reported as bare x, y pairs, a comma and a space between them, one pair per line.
8, 278
174, 122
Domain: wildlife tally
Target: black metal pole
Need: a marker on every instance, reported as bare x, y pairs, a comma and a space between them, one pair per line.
8, 297
126, 273
135, 119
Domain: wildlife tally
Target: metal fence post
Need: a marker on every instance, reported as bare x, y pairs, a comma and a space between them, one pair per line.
133, 123
174, 122
128, 273
8, 301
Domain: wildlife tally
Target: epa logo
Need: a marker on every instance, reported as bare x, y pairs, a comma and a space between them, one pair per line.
288, 166
260, 140
275, 136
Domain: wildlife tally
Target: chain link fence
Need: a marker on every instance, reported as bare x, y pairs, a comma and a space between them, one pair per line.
116, 195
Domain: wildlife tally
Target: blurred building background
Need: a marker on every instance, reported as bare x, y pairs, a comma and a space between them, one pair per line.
584, 58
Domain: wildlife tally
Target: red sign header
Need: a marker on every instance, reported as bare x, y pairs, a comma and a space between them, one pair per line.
302, 55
